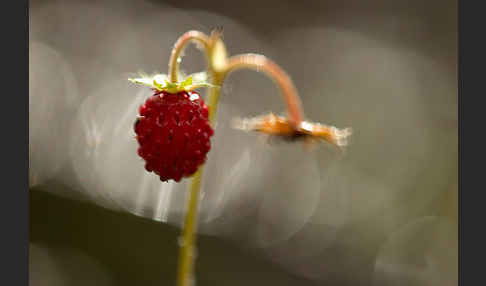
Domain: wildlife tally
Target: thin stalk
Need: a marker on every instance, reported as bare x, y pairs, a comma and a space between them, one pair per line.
191, 36
187, 251
213, 98
187, 254
220, 67
277, 74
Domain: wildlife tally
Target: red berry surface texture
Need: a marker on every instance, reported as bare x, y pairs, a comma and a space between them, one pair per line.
174, 134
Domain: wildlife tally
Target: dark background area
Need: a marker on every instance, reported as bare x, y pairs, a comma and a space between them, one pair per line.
133, 250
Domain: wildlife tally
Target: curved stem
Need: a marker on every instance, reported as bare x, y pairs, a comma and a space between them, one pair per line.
263, 64
188, 249
187, 252
179, 47
220, 67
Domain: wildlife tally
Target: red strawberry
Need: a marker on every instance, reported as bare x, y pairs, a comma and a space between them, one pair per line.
174, 134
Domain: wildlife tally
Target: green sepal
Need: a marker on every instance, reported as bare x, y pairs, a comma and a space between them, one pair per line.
161, 82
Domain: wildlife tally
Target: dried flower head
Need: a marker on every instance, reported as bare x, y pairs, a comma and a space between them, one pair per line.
280, 127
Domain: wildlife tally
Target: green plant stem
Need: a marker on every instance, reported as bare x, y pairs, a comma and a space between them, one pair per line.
187, 252
213, 98
187, 243
219, 67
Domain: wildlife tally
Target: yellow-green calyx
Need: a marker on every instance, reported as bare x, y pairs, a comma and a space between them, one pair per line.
161, 82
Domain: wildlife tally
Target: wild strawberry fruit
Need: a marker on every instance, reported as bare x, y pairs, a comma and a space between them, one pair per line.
174, 133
